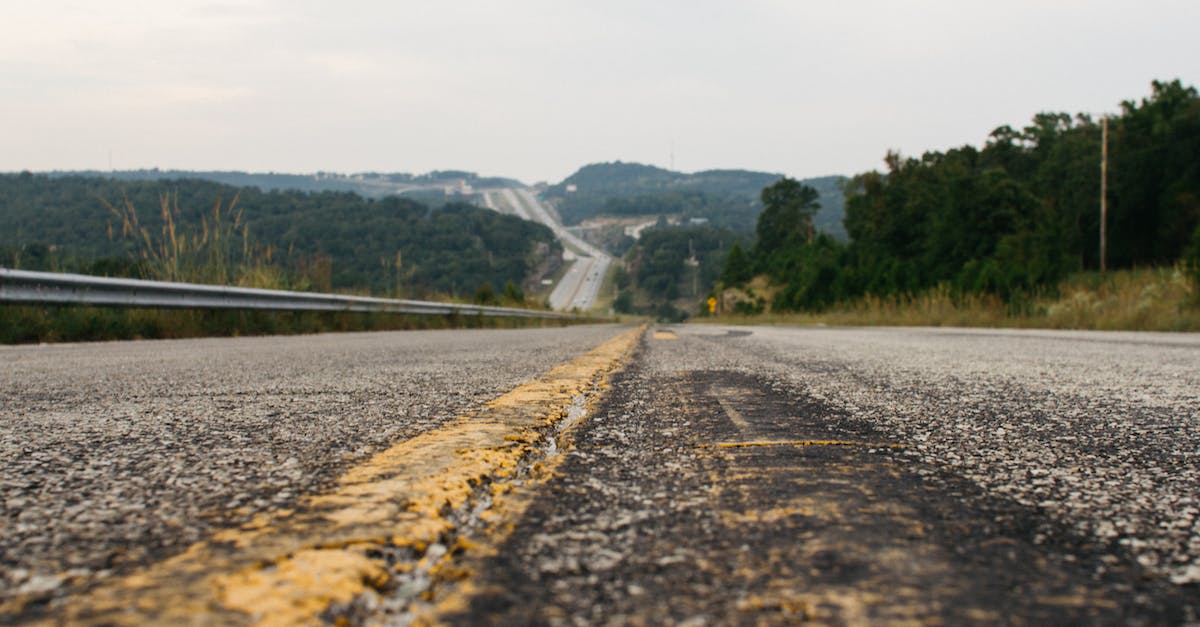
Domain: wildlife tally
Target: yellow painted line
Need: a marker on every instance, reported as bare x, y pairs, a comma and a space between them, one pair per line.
807, 443
289, 568
665, 335
735, 416
1077, 601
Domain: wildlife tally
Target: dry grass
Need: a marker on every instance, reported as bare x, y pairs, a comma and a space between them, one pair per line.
1161, 299
220, 251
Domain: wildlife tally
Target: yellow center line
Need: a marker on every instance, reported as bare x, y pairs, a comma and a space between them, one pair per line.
290, 567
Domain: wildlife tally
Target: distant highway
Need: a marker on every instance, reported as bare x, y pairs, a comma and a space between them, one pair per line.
581, 284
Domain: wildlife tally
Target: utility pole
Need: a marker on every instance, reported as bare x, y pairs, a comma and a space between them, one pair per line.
1103, 193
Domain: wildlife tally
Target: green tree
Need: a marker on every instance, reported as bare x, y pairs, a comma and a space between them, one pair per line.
485, 295
786, 219
513, 294
739, 267
623, 303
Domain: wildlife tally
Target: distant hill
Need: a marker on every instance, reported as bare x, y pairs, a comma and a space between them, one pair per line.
726, 198
628, 179
367, 184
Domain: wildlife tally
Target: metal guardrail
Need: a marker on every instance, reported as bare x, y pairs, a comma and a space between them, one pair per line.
54, 288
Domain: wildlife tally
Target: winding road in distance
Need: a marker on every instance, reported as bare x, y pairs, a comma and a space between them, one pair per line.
605, 474
581, 283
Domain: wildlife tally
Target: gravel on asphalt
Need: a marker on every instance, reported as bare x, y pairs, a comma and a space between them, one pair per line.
116, 454
883, 475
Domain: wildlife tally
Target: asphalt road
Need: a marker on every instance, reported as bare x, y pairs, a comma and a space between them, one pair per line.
729, 475
113, 455
767, 475
581, 283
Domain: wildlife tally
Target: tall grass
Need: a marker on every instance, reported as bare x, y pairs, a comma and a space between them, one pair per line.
219, 251
28, 324
1158, 299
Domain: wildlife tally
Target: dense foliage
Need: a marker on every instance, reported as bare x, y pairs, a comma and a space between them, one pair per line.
332, 240
1009, 218
726, 198
672, 264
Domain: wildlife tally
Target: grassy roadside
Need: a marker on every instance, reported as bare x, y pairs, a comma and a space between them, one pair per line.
220, 251
1160, 299
30, 324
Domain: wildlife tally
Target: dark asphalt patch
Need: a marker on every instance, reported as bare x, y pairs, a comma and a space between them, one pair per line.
650, 522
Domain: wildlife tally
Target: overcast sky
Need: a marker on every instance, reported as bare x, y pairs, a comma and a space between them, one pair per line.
535, 89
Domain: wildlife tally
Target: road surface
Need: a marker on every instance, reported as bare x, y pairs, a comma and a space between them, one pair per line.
115, 455
715, 475
765, 475
581, 284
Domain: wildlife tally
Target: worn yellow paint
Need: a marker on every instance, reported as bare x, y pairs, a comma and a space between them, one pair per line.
794, 593
788, 605
302, 585
735, 416
808, 443
509, 502
821, 607
775, 514
665, 335
1082, 599
289, 567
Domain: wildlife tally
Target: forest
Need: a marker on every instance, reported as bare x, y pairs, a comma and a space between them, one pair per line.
1009, 219
310, 240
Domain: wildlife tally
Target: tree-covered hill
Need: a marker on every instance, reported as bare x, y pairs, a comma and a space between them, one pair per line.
368, 184
339, 240
628, 179
726, 198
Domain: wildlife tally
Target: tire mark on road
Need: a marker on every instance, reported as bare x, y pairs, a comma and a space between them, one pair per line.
651, 521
